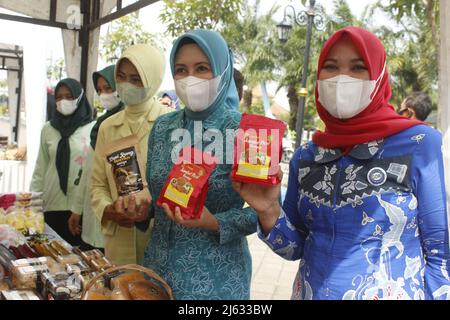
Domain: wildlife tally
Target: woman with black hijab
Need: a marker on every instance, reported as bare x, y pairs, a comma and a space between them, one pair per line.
62, 154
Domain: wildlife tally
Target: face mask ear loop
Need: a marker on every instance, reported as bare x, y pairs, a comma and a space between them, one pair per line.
79, 97
378, 79
221, 75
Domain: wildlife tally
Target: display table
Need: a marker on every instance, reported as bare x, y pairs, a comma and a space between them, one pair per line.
12, 176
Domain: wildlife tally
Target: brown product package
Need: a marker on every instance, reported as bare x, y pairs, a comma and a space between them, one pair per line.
126, 162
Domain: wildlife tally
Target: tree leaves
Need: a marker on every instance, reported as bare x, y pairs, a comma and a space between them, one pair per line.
182, 16
124, 32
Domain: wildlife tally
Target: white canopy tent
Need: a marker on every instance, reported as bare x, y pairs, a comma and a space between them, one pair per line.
80, 22
11, 60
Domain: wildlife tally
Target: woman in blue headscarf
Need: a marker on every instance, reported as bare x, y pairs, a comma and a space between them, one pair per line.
206, 258
170, 99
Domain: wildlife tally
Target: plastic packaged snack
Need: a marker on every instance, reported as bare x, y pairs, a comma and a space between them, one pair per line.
19, 295
146, 290
186, 186
26, 271
121, 282
99, 294
257, 150
60, 286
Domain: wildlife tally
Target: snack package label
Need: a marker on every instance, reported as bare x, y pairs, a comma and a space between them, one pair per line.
254, 160
258, 150
126, 171
187, 184
180, 188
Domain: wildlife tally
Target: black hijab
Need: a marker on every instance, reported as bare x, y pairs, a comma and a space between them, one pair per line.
67, 125
107, 74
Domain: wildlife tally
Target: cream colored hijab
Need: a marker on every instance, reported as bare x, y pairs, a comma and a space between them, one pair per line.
150, 63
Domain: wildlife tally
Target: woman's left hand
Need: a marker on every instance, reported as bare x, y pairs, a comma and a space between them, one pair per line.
206, 221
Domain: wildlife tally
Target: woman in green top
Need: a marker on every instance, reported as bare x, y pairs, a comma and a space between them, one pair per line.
62, 155
89, 227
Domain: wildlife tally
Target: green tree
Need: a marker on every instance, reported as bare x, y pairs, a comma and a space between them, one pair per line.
257, 62
413, 49
182, 16
292, 58
242, 27
56, 71
125, 32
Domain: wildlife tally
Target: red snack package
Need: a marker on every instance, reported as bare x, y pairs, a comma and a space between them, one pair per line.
187, 184
257, 150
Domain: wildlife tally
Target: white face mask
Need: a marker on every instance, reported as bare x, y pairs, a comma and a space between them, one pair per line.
196, 93
68, 107
344, 97
131, 94
109, 100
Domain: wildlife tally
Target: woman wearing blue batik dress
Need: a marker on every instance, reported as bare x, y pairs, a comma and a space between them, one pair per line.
365, 211
206, 258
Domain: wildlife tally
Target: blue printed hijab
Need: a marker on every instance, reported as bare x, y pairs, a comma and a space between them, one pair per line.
220, 58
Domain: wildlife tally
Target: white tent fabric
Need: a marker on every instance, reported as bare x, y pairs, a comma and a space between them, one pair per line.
67, 12
35, 76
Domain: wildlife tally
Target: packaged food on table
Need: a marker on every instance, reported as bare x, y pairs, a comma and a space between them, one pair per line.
23, 211
2, 272
23, 251
68, 259
257, 150
10, 236
26, 271
29, 262
89, 255
60, 248
187, 184
54, 266
4, 285
126, 283
94, 258
146, 290
19, 295
6, 258
99, 294
57, 251
81, 268
120, 283
26, 220
100, 264
86, 277
59, 286
109, 276
119, 294
126, 163
8, 199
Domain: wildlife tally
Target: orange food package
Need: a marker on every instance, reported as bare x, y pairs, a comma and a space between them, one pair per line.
257, 150
187, 184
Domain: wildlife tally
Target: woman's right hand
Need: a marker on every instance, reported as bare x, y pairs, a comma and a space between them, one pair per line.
264, 199
126, 217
